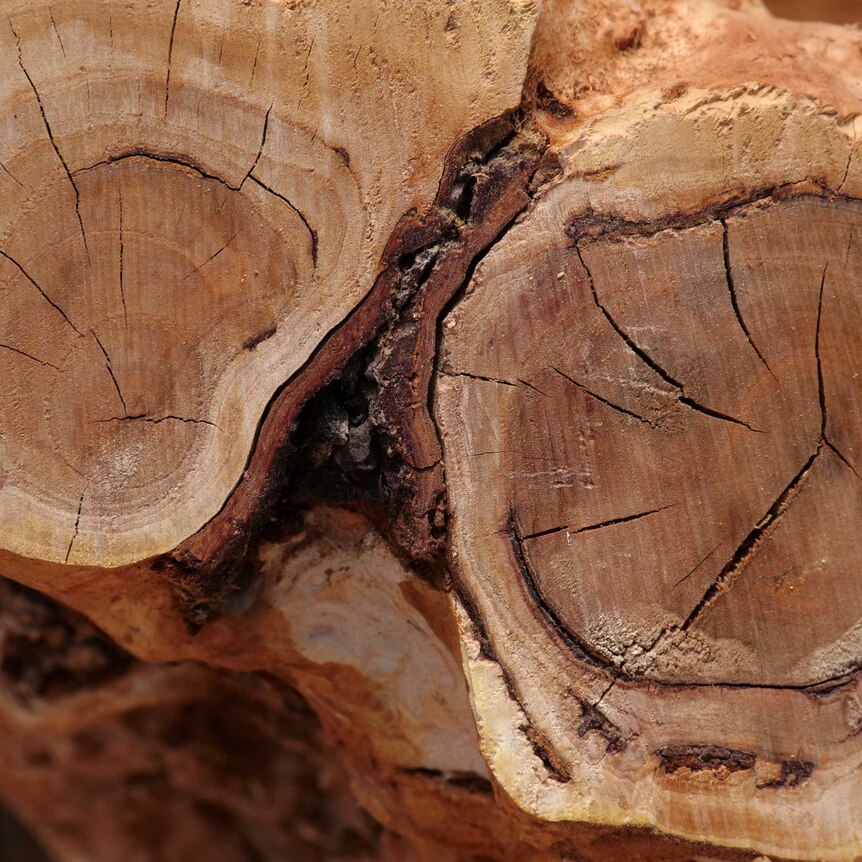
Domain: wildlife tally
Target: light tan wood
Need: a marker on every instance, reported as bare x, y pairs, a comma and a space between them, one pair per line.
486, 372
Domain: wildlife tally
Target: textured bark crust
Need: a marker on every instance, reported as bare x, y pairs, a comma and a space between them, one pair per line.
431, 430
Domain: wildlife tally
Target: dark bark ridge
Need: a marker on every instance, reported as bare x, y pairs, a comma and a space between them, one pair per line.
353, 425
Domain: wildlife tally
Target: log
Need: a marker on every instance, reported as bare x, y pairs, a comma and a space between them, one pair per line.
431, 430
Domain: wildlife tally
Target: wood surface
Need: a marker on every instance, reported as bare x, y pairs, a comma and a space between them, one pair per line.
478, 380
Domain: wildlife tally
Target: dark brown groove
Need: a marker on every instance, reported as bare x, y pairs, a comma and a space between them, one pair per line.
42, 292
75, 534
111, 371
605, 401
122, 264
479, 377
163, 158
531, 386
577, 645
840, 455
30, 356
53, 141
57, 32
821, 388
700, 758
748, 548
157, 420
171, 56
734, 300
11, 175
262, 140
592, 225
684, 578
311, 231
213, 256
601, 524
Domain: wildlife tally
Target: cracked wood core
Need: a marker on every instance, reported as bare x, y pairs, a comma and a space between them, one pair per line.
672, 441
124, 390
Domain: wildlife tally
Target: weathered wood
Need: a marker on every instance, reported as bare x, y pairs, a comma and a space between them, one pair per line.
358, 349
219, 185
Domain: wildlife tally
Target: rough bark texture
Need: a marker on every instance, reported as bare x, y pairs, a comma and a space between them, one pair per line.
431, 430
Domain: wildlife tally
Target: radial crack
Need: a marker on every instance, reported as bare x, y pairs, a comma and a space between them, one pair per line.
840, 455
687, 400
42, 292
122, 266
821, 388
213, 256
53, 142
75, 534
598, 526
685, 577
10, 174
734, 301
751, 543
29, 356
110, 371
480, 377
605, 401
171, 56
262, 142
57, 32
530, 386
254, 64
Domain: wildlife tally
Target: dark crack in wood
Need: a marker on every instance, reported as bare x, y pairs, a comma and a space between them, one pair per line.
11, 175
262, 142
75, 533
44, 295
598, 526
156, 420
311, 231
122, 264
752, 542
734, 299
625, 411
53, 142
171, 57
648, 360
29, 356
110, 371
213, 256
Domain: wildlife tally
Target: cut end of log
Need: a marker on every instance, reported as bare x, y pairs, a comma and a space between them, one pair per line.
556, 304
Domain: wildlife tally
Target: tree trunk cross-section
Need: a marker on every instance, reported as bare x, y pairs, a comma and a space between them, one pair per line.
487, 373
679, 516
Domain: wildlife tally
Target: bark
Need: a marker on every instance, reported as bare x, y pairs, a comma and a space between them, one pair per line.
430, 430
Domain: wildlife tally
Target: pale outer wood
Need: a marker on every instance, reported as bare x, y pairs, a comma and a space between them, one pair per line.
307, 137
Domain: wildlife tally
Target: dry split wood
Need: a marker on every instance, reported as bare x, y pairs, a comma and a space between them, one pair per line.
395, 353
